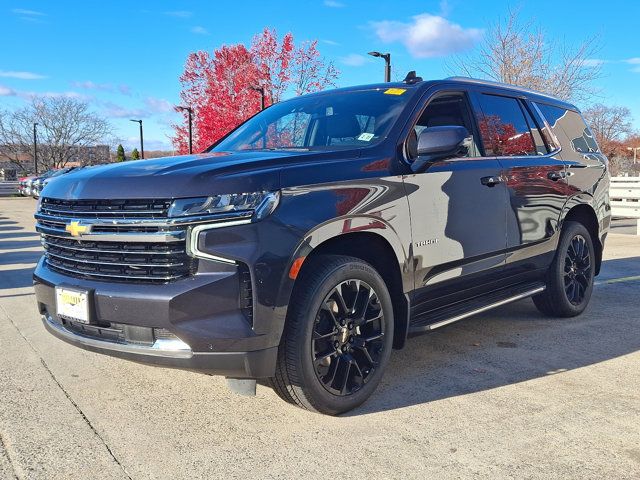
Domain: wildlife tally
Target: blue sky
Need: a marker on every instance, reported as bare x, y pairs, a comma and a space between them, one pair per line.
125, 57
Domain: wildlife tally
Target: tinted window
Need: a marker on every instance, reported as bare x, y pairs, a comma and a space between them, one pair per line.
541, 148
569, 127
325, 121
451, 109
503, 127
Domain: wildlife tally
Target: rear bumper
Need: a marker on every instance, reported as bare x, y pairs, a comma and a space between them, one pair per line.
203, 327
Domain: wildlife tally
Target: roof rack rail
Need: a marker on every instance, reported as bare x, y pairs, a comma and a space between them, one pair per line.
500, 84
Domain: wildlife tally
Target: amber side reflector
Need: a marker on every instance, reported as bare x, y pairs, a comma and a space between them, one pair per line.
295, 268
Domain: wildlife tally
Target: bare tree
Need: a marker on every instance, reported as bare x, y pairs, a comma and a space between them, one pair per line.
609, 125
518, 53
64, 126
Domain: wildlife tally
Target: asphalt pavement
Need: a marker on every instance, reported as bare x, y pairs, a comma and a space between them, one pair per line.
507, 394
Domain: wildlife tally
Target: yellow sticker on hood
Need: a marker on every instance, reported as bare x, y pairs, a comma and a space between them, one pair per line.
395, 91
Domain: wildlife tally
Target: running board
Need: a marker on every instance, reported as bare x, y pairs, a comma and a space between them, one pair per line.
445, 316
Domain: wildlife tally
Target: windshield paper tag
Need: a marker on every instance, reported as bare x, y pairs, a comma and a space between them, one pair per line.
394, 91
366, 137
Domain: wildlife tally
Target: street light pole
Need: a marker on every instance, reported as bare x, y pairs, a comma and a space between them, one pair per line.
635, 151
261, 90
387, 64
190, 112
141, 139
35, 149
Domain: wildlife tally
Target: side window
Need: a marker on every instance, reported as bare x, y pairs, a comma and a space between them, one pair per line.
450, 109
570, 128
541, 148
503, 127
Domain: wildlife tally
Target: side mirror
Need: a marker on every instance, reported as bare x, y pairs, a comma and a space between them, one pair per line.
439, 143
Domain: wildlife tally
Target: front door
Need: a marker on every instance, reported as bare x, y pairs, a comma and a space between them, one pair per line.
458, 209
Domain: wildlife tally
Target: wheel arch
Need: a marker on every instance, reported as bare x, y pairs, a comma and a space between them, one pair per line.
586, 215
379, 246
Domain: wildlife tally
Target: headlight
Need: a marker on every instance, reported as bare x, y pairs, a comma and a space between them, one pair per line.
261, 203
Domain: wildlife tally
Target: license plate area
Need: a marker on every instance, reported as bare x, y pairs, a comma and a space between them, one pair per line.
73, 304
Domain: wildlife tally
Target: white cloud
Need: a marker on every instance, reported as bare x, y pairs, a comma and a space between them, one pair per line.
633, 61
428, 35
7, 92
158, 105
636, 69
179, 14
333, 4
89, 85
354, 60
199, 30
28, 13
594, 62
124, 89
21, 75
331, 42
113, 110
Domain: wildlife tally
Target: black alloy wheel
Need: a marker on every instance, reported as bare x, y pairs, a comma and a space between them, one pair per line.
577, 270
348, 337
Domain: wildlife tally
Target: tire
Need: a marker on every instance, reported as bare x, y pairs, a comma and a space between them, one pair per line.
333, 353
570, 277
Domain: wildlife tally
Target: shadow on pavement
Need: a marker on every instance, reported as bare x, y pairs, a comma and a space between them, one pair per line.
16, 278
20, 257
4, 236
8, 222
512, 344
18, 244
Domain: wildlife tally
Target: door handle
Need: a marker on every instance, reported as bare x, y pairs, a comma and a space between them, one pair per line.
490, 181
555, 176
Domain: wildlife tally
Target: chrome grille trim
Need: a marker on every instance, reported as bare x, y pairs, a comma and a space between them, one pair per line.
102, 262
128, 277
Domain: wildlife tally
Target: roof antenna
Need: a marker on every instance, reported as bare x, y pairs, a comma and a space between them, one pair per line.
412, 77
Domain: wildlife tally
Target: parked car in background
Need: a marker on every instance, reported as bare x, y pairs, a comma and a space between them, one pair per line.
324, 231
24, 183
38, 183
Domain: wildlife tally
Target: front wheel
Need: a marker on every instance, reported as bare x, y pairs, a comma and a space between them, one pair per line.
338, 336
570, 276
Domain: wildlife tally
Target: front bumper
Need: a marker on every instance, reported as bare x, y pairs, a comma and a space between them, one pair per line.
208, 331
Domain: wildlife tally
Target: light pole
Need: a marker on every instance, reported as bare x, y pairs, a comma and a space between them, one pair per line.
635, 151
190, 112
35, 149
261, 90
141, 139
387, 64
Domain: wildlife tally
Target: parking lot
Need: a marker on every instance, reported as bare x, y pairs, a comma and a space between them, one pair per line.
507, 394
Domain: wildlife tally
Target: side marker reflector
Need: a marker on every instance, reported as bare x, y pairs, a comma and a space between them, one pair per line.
295, 268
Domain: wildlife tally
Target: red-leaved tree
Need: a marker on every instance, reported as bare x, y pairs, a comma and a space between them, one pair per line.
223, 88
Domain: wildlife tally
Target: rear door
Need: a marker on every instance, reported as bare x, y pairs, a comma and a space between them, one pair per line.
534, 175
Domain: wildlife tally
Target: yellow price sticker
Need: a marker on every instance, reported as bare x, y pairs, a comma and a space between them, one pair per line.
394, 91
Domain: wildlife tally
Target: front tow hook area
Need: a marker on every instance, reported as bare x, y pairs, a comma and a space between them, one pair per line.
242, 386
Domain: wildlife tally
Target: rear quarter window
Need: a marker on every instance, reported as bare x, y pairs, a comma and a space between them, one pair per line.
570, 129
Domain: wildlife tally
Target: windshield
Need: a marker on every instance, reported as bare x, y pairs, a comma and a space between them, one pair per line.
328, 121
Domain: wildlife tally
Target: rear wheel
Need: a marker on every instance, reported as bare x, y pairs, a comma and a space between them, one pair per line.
338, 336
570, 277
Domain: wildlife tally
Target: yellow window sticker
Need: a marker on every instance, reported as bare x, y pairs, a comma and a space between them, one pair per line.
394, 91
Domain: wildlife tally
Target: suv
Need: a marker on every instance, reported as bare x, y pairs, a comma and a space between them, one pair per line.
304, 246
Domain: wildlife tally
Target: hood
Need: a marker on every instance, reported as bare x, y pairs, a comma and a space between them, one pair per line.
182, 176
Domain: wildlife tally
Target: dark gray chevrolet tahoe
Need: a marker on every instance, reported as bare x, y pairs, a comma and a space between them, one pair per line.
304, 246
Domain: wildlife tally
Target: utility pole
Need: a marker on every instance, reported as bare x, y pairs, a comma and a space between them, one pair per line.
190, 112
35, 149
141, 139
635, 151
387, 64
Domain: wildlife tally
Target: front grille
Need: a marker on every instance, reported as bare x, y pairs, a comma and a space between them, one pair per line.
123, 261
127, 241
106, 208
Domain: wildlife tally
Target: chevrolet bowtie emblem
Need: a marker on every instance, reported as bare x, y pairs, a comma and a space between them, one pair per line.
75, 229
